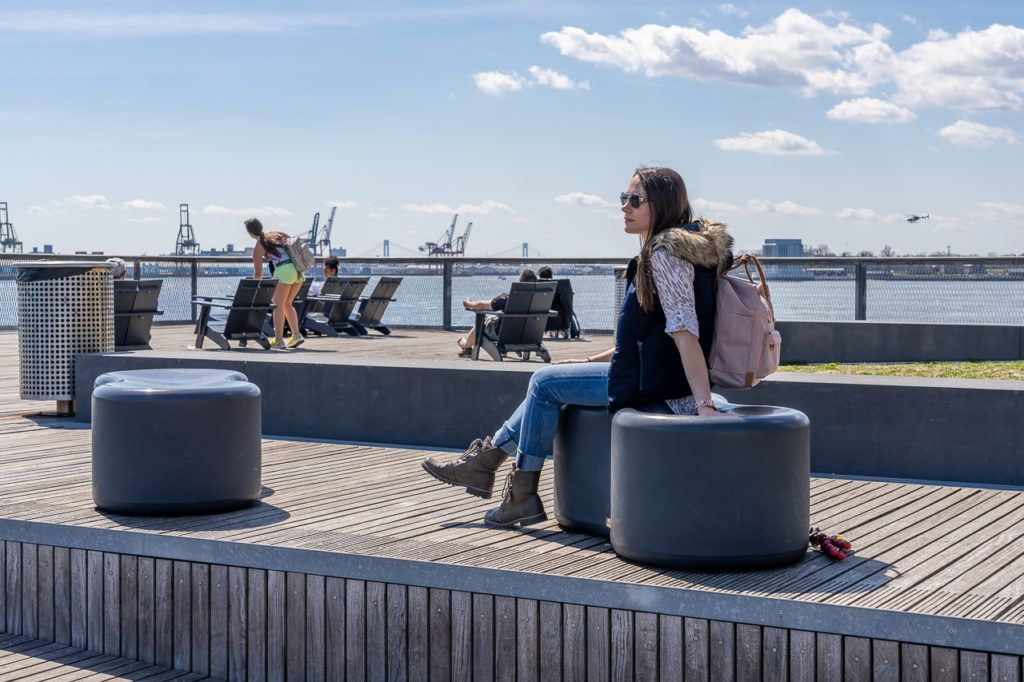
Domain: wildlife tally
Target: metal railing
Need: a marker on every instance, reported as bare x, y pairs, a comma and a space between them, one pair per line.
960, 290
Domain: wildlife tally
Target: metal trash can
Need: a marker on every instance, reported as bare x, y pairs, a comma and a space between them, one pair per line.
620, 291
65, 308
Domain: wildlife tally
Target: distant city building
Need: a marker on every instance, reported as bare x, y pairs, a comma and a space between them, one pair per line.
783, 248
47, 248
339, 251
228, 250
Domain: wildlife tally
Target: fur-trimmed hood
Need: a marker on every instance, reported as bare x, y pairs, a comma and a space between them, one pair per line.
710, 247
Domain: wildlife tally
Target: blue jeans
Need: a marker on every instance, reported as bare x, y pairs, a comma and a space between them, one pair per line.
529, 433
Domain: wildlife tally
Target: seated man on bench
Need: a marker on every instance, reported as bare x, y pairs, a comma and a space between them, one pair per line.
330, 270
497, 303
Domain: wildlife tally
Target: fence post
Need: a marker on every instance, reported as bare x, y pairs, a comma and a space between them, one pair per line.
195, 286
860, 297
137, 268
446, 296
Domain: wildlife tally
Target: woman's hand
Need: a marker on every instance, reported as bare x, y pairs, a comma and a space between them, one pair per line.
704, 411
569, 361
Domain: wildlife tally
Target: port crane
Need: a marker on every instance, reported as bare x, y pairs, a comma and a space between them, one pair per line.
913, 217
320, 241
9, 242
448, 244
186, 244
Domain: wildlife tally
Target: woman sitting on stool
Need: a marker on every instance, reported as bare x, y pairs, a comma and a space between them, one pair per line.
659, 362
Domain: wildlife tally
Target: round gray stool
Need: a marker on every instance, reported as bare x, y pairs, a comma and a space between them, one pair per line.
711, 492
583, 469
175, 441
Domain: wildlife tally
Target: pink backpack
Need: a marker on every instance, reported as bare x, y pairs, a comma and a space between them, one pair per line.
746, 347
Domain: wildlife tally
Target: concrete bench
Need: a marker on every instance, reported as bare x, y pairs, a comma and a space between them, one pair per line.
175, 441
711, 492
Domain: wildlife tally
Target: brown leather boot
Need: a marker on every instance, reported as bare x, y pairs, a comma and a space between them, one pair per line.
521, 505
474, 470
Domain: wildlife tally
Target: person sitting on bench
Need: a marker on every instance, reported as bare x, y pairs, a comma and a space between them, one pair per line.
497, 303
119, 269
330, 270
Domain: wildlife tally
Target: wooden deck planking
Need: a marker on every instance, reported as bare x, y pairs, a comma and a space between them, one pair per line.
30, 660
922, 549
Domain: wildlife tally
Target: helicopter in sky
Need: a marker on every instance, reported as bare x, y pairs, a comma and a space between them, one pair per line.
913, 217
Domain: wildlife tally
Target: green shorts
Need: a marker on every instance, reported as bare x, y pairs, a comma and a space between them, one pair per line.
287, 274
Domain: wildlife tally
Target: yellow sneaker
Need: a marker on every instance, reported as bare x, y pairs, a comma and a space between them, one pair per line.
273, 342
296, 341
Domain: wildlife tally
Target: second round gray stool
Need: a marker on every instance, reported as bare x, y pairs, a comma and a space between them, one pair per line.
583, 469
175, 441
711, 492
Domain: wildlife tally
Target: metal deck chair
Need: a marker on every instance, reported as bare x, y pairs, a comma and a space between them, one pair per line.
135, 304
301, 305
243, 321
338, 298
520, 327
372, 309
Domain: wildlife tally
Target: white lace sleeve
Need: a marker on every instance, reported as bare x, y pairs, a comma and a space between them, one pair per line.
673, 278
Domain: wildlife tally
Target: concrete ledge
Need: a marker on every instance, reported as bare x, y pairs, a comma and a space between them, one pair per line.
898, 342
445, 404
967, 431
958, 430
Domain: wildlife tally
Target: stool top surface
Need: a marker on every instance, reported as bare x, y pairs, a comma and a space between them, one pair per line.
736, 417
164, 382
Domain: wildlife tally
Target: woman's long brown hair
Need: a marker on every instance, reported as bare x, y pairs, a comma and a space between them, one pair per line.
255, 229
670, 206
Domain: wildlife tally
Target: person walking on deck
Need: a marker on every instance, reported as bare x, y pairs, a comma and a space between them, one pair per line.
659, 362
270, 248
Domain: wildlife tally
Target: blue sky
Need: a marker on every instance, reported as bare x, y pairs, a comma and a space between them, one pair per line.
819, 121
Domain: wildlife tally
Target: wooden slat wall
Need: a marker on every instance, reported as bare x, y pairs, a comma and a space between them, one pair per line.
253, 624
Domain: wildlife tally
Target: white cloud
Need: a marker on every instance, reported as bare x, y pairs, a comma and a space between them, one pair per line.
157, 24
342, 204
972, 70
556, 80
787, 207
143, 204
870, 110
87, 201
909, 19
35, 209
707, 206
858, 214
498, 83
971, 134
583, 199
794, 51
975, 69
729, 8
999, 210
483, 208
214, 209
771, 142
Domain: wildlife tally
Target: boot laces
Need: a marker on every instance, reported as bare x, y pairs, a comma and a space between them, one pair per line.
506, 489
475, 448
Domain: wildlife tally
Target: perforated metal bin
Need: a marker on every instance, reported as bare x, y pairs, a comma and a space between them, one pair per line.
65, 308
620, 291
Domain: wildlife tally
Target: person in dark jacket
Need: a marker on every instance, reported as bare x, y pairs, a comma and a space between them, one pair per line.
659, 362
488, 305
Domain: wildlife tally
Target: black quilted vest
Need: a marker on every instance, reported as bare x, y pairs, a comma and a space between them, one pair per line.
646, 367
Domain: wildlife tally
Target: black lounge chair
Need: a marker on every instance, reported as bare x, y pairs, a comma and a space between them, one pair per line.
563, 305
520, 327
338, 298
301, 305
244, 317
372, 309
135, 304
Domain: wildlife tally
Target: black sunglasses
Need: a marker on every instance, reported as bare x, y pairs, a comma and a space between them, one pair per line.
634, 200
